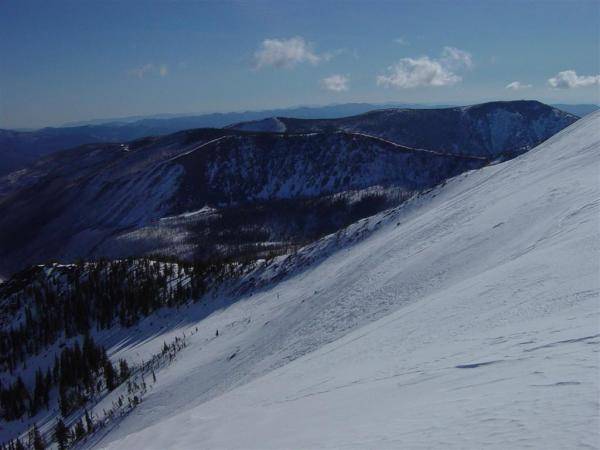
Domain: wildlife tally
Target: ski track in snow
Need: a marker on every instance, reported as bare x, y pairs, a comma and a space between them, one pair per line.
468, 318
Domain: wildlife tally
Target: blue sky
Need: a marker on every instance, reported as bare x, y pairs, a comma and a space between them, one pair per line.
67, 61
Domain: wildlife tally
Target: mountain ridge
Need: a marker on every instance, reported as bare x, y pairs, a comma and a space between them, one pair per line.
131, 190
18, 149
525, 119
258, 192
428, 307
382, 318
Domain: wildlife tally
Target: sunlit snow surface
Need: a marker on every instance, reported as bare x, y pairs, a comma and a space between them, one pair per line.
468, 319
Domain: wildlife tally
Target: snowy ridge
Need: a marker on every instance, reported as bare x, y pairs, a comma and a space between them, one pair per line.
92, 203
270, 124
466, 318
247, 168
435, 152
107, 200
495, 130
18, 149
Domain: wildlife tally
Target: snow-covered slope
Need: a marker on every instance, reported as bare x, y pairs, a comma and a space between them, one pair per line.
107, 200
97, 200
466, 318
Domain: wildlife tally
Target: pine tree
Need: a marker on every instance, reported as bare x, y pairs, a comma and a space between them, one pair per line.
38, 393
63, 400
79, 430
48, 384
36, 441
109, 375
61, 435
123, 370
89, 423
56, 369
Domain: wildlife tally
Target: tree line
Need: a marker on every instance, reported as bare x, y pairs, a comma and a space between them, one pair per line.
79, 373
87, 296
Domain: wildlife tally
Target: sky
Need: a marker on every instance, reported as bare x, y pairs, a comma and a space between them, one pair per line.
65, 61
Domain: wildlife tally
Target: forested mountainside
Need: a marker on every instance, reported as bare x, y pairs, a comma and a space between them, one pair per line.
216, 193
472, 307
21, 148
56, 321
60, 325
170, 195
412, 303
491, 130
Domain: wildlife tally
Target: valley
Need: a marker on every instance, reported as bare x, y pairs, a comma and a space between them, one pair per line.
285, 189
345, 278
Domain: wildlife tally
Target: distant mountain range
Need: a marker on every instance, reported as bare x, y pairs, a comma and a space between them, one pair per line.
301, 112
20, 148
482, 287
217, 120
214, 193
579, 110
490, 130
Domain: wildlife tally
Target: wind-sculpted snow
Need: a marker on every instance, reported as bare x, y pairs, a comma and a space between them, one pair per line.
465, 318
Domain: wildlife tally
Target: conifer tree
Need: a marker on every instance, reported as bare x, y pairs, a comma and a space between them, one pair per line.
61, 435
63, 400
89, 423
79, 430
123, 370
36, 441
109, 375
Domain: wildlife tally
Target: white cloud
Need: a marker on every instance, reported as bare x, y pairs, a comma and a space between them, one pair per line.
517, 86
147, 69
401, 41
336, 83
426, 71
411, 73
569, 79
457, 59
286, 53
142, 70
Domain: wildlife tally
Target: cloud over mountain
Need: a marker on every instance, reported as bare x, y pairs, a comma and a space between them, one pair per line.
336, 83
517, 86
568, 79
427, 71
286, 53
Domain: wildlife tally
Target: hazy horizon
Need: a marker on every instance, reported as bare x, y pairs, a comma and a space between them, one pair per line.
169, 115
70, 61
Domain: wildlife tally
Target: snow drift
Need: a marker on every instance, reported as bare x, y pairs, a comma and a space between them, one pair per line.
466, 318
